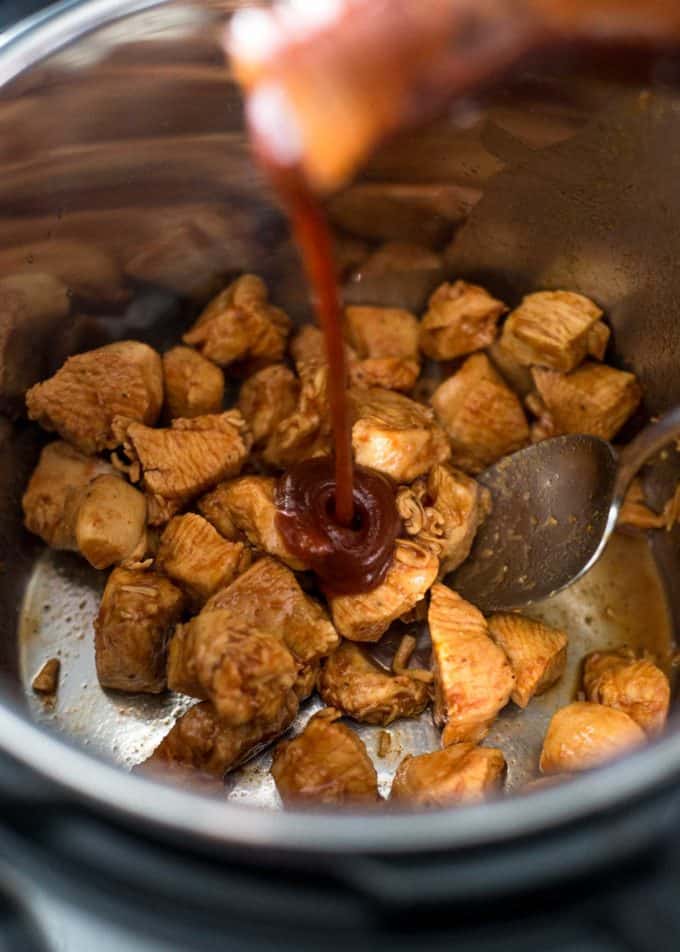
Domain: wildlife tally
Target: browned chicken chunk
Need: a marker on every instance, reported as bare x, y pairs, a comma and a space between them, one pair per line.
385, 340
554, 329
267, 398
584, 735
200, 740
177, 463
632, 685
594, 399
536, 652
246, 672
55, 492
307, 431
138, 611
197, 558
268, 597
460, 319
194, 386
368, 615
356, 685
456, 774
395, 435
111, 523
473, 678
635, 513
516, 375
443, 510
308, 350
327, 763
244, 508
82, 399
240, 323
483, 418
305, 683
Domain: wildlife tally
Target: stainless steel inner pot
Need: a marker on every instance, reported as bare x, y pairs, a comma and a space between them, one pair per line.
125, 171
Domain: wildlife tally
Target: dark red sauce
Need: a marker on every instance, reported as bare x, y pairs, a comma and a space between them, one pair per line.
346, 559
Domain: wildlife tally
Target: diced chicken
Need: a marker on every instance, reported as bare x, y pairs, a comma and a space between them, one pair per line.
245, 672
461, 318
635, 686
305, 683
553, 329
55, 492
598, 340
368, 615
584, 735
198, 559
516, 375
110, 526
244, 508
267, 398
327, 763
307, 431
594, 399
443, 510
385, 340
181, 667
473, 678
194, 386
456, 774
395, 435
308, 350
483, 418
354, 684
201, 741
240, 323
138, 611
635, 513
536, 652
82, 399
46, 680
191, 456
397, 274
268, 597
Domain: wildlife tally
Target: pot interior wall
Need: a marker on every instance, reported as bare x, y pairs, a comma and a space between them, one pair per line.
126, 172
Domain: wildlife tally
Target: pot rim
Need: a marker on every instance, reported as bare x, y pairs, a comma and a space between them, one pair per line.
142, 800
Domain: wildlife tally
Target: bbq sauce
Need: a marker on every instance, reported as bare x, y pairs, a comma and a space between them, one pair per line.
340, 519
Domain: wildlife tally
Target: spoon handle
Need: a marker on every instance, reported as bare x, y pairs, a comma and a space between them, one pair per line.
646, 444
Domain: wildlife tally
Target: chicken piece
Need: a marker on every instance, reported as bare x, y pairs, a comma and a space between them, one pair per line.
461, 318
536, 652
307, 431
55, 492
240, 323
268, 597
267, 398
397, 274
456, 774
327, 763
110, 526
308, 350
635, 686
46, 680
138, 611
552, 329
181, 665
472, 676
635, 513
194, 386
305, 683
200, 740
385, 340
244, 671
177, 463
395, 435
443, 510
483, 418
195, 556
584, 735
516, 375
368, 615
598, 340
594, 399
354, 684
244, 508
82, 399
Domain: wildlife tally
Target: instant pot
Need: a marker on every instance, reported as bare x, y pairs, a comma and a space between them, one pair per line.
126, 171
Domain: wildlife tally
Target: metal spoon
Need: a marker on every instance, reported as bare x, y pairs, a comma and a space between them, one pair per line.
555, 505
